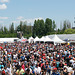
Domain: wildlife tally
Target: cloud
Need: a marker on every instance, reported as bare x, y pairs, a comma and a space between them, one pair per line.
20, 18
3, 1
1, 22
16, 22
3, 17
3, 6
27, 20
32, 20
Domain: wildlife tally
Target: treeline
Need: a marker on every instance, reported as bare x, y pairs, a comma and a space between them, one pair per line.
40, 28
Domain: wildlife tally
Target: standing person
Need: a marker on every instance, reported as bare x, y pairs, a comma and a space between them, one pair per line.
55, 72
3, 72
48, 67
28, 72
9, 70
65, 71
20, 71
61, 65
37, 70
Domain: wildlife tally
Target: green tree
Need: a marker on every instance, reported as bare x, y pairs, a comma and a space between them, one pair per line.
5, 30
24, 28
11, 28
53, 25
69, 31
41, 28
1, 30
34, 29
64, 26
38, 28
21, 25
48, 26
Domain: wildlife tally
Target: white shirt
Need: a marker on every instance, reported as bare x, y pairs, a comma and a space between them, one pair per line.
37, 70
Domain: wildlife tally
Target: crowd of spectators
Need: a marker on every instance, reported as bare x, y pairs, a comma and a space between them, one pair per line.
37, 59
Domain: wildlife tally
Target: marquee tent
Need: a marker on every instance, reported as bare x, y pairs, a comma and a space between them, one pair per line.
31, 39
36, 39
9, 40
56, 39
42, 39
47, 39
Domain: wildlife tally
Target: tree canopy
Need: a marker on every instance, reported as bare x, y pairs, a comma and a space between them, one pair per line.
39, 28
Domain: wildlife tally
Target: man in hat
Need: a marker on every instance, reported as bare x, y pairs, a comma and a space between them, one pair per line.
55, 72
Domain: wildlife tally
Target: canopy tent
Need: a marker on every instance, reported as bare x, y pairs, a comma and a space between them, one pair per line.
56, 39
31, 39
36, 39
42, 39
47, 39
9, 40
64, 36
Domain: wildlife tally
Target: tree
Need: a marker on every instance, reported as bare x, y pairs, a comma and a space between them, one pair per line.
69, 31
5, 30
38, 28
1, 30
66, 25
48, 26
11, 28
53, 25
41, 28
21, 25
34, 29
24, 28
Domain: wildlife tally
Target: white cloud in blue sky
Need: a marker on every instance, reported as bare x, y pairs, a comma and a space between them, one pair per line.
32, 20
26, 20
3, 6
3, 1
3, 17
20, 18
1, 22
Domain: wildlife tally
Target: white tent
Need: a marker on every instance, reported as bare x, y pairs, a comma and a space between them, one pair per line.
56, 39
42, 39
36, 39
9, 40
47, 39
31, 39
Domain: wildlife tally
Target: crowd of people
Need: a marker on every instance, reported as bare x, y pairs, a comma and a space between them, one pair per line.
37, 59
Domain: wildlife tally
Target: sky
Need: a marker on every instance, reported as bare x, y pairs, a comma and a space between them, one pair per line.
30, 10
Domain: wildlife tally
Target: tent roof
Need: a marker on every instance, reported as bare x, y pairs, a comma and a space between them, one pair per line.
57, 39
36, 39
42, 39
47, 39
9, 40
30, 38
64, 36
